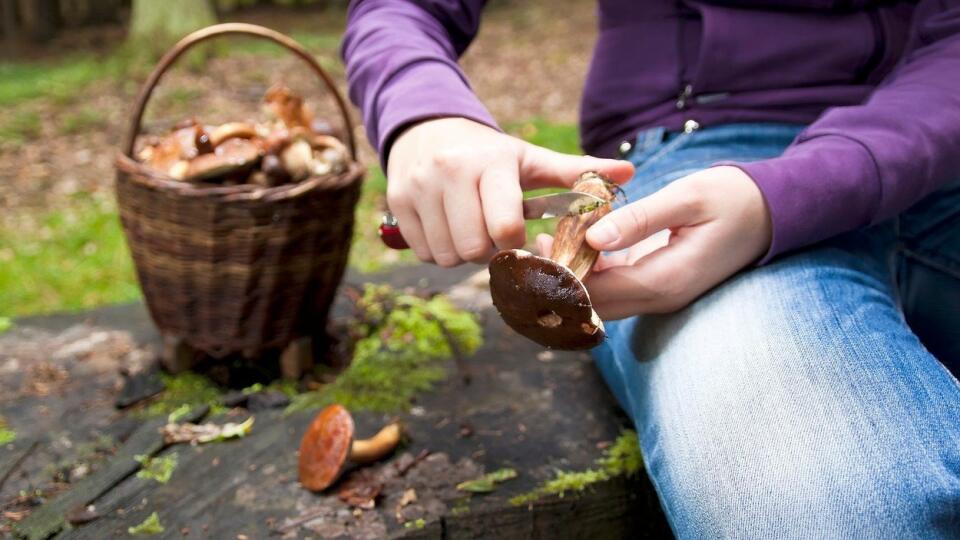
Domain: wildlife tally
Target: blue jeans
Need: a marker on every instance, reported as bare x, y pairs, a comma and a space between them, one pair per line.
808, 398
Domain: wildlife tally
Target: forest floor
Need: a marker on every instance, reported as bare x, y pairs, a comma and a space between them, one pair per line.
64, 110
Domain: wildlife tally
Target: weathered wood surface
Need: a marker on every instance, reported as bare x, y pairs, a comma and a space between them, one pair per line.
50, 518
536, 414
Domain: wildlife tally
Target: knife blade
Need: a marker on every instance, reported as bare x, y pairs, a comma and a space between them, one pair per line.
567, 203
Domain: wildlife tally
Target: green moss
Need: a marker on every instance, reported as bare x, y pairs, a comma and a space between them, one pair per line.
488, 482
7, 435
461, 508
150, 526
623, 458
418, 523
185, 391
5, 324
284, 386
402, 351
158, 468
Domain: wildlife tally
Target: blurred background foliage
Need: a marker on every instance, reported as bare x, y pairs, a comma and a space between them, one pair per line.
69, 70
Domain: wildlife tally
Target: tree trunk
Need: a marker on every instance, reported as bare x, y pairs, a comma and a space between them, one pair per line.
160, 24
83, 12
40, 19
8, 14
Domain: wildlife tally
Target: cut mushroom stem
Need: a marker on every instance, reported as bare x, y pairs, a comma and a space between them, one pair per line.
544, 298
328, 447
377, 447
570, 246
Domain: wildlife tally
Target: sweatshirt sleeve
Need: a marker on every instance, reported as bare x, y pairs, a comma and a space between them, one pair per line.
858, 165
401, 58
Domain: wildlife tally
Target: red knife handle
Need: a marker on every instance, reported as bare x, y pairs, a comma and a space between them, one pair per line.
390, 233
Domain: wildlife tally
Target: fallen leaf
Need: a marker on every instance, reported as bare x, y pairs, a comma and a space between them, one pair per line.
409, 496
361, 490
82, 515
204, 433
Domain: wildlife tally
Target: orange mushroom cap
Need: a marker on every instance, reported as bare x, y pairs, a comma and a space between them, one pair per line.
325, 447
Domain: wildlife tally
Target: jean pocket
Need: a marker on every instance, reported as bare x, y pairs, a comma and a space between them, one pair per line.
650, 156
930, 230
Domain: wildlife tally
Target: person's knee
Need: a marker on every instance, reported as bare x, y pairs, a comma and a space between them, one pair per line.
765, 410
771, 493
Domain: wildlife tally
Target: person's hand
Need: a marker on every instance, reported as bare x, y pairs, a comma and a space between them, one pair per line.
682, 241
456, 187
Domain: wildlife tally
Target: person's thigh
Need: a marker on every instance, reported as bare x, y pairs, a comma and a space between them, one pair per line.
928, 268
793, 401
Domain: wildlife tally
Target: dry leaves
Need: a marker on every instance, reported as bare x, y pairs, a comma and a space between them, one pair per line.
205, 433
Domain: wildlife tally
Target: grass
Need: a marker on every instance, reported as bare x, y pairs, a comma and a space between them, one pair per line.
63, 79
64, 260
23, 81
81, 121
20, 126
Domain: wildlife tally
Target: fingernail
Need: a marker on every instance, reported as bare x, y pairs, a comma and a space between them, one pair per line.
603, 233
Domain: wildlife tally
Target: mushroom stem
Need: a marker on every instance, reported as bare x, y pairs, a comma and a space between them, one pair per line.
569, 242
377, 447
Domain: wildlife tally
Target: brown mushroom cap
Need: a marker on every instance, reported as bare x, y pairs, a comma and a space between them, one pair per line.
232, 130
233, 155
325, 447
543, 301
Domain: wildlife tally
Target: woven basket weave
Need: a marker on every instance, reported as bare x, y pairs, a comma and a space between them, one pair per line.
237, 268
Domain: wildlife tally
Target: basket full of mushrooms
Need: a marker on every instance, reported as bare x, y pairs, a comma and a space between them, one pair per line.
240, 232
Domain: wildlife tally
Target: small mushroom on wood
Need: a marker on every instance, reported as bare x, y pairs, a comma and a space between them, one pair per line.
543, 298
328, 447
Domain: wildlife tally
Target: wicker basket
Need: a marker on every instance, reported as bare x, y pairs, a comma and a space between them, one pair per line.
240, 268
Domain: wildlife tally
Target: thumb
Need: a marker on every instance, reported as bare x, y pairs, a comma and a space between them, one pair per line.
540, 167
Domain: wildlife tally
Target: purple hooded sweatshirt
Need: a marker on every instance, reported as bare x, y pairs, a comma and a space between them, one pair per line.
877, 82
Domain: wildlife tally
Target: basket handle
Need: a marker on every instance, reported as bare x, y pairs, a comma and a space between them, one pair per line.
233, 28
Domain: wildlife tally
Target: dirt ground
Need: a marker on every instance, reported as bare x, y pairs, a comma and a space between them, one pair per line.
528, 62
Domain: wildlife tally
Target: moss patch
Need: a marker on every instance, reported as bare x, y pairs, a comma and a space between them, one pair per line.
159, 469
184, 392
7, 435
623, 458
488, 482
150, 526
416, 524
402, 348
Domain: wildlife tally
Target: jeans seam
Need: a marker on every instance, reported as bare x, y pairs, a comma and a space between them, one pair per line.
936, 263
